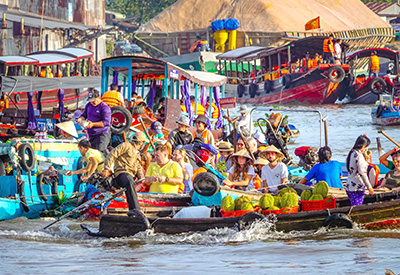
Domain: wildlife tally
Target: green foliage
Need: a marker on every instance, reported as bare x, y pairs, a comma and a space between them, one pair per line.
60, 198
142, 10
109, 47
220, 166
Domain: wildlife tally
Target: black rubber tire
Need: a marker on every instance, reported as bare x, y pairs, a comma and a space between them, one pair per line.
206, 184
249, 218
17, 98
267, 86
253, 90
39, 188
286, 81
124, 127
336, 74
338, 220
26, 164
377, 86
80, 165
240, 90
21, 192
379, 111
2, 168
140, 217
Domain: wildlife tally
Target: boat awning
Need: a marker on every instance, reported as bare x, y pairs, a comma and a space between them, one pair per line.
240, 53
16, 60
36, 22
204, 78
381, 52
77, 52
52, 58
32, 84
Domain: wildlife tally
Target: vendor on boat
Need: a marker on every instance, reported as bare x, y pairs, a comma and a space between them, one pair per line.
164, 175
389, 164
241, 174
328, 50
68, 130
94, 159
201, 130
98, 116
357, 180
326, 170
374, 64
113, 97
275, 172
225, 151
244, 122
181, 135
392, 178
127, 166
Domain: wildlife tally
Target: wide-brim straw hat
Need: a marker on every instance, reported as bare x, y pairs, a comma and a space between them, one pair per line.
241, 153
225, 146
271, 148
68, 127
261, 161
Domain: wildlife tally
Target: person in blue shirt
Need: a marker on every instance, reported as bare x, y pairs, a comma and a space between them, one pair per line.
326, 170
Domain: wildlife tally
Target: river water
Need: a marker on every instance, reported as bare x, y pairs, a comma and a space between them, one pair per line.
64, 248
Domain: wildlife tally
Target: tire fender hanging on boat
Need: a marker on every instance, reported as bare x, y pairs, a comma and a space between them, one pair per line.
253, 90
206, 184
379, 111
338, 220
267, 86
377, 86
39, 186
249, 218
121, 120
336, 74
26, 163
21, 193
240, 90
286, 81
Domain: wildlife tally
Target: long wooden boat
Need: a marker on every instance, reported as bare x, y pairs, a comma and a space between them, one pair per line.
384, 112
384, 206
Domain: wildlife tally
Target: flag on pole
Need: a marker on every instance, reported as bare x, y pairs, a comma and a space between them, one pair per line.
313, 24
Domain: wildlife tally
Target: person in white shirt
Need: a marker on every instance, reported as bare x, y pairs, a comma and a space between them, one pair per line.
242, 171
244, 122
275, 172
338, 51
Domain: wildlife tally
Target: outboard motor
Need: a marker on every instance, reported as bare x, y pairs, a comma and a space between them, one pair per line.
308, 156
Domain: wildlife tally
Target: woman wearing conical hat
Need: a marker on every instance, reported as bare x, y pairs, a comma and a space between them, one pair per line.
68, 130
242, 172
275, 172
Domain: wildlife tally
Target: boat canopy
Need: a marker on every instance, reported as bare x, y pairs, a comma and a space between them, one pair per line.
12, 60
240, 53
77, 52
52, 58
381, 52
32, 84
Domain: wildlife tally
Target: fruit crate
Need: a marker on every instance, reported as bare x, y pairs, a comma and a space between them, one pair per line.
318, 205
285, 210
237, 213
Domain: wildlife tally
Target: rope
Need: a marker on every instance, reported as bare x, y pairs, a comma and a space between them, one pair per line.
351, 209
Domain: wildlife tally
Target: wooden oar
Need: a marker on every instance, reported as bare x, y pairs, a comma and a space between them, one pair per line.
389, 138
147, 134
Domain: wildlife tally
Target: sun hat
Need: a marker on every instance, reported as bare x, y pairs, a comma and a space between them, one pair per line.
260, 137
68, 127
243, 109
271, 148
241, 153
138, 137
93, 94
77, 114
156, 127
201, 118
261, 161
225, 146
183, 120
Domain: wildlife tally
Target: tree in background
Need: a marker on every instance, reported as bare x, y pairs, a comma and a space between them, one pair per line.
141, 10
379, 1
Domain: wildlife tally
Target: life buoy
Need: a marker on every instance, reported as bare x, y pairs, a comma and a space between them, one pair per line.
338, 220
39, 187
141, 218
267, 86
377, 86
206, 184
286, 81
121, 120
249, 218
336, 74
240, 90
379, 111
26, 163
253, 90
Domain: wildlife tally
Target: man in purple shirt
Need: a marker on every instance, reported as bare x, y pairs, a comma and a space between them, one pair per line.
98, 116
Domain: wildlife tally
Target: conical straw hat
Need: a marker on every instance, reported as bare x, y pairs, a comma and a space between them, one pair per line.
261, 161
242, 153
271, 148
68, 127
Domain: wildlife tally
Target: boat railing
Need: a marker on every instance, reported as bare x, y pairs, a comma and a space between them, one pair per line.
321, 119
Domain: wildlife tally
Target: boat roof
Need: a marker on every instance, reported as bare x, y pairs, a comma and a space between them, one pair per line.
381, 52
150, 68
240, 53
77, 52
15, 60
52, 57
31, 83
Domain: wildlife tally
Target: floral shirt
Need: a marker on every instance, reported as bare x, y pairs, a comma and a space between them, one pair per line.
357, 179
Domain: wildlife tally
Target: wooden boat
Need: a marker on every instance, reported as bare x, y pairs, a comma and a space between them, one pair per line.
69, 61
384, 112
361, 89
282, 82
114, 223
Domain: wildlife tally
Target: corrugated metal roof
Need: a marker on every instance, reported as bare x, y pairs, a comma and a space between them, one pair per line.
378, 7
33, 21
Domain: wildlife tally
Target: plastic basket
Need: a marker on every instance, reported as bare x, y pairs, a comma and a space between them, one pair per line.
318, 205
237, 213
285, 210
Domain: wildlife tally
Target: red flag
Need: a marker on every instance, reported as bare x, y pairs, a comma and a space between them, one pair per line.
313, 24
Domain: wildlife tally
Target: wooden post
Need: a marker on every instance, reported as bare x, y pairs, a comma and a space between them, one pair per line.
326, 132
378, 142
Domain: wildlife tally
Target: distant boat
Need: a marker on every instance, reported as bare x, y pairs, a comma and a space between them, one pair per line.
384, 112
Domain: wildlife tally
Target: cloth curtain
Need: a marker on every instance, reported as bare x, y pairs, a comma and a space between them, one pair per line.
203, 100
115, 78
61, 110
31, 113
152, 93
185, 91
133, 87
216, 99
39, 101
